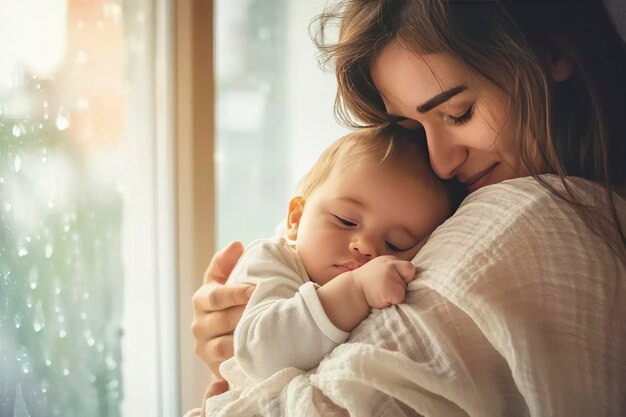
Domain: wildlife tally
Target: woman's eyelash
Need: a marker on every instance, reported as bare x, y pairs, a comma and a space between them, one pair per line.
344, 221
464, 118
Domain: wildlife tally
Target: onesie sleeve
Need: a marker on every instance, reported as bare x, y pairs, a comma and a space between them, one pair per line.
284, 324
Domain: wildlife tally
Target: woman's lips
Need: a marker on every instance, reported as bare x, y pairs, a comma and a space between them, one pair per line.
481, 179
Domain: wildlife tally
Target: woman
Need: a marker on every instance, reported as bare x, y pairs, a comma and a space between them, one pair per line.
520, 306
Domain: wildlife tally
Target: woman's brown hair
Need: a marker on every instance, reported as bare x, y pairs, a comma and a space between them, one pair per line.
572, 128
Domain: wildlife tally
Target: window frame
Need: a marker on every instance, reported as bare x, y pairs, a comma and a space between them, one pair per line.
193, 127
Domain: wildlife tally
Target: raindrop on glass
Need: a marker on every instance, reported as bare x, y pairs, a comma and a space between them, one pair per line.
49, 250
17, 164
62, 121
17, 131
62, 333
17, 320
33, 277
110, 362
22, 251
27, 368
37, 326
38, 319
7, 207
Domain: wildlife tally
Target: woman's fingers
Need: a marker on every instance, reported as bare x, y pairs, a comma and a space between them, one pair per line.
215, 297
223, 262
217, 310
217, 386
207, 325
216, 351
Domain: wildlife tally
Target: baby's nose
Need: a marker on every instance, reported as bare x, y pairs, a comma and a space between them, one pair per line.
363, 247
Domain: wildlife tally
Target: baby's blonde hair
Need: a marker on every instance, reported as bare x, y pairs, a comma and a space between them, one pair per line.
389, 144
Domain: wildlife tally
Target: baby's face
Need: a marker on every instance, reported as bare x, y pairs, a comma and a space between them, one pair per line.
365, 211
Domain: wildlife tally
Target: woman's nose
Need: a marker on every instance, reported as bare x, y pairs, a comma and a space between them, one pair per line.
445, 154
364, 247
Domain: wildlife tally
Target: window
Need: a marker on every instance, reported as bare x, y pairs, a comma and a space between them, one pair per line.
86, 276
274, 111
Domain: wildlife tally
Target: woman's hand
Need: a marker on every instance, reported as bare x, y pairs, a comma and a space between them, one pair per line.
217, 309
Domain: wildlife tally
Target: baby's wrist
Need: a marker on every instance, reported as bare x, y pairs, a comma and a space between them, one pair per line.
359, 292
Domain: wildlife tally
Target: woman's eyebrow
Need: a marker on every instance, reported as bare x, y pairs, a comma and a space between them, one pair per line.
440, 99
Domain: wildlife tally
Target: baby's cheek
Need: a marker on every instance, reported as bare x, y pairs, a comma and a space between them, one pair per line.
310, 265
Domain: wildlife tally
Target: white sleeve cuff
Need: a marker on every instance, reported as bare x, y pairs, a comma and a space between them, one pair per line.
308, 292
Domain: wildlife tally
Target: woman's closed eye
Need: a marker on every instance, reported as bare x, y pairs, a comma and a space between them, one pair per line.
344, 222
462, 119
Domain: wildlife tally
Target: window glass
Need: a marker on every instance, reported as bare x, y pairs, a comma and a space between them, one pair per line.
77, 186
274, 111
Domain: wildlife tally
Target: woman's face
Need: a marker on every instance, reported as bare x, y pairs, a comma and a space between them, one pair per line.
466, 118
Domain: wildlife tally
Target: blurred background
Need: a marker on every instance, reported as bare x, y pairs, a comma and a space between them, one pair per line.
136, 137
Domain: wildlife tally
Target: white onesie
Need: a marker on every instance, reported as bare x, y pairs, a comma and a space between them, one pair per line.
284, 324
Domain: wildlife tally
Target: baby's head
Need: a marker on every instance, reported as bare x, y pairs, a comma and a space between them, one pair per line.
371, 193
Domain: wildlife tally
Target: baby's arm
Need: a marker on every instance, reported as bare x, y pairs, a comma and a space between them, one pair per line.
347, 299
284, 324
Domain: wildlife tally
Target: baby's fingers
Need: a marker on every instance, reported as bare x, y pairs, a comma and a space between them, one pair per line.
406, 270
394, 294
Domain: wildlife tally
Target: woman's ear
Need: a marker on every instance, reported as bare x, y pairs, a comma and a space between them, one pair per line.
561, 69
296, 206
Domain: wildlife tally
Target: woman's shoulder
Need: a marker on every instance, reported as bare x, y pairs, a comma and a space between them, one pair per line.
541, 193
539, 204
522, 224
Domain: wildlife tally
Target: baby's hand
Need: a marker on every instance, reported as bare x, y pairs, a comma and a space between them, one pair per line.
384, 280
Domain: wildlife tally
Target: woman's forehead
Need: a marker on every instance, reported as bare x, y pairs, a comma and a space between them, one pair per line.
405, 78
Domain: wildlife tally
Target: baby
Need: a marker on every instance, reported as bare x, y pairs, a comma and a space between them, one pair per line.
366, 208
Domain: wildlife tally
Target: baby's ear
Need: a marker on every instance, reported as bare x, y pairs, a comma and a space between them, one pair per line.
296, 206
